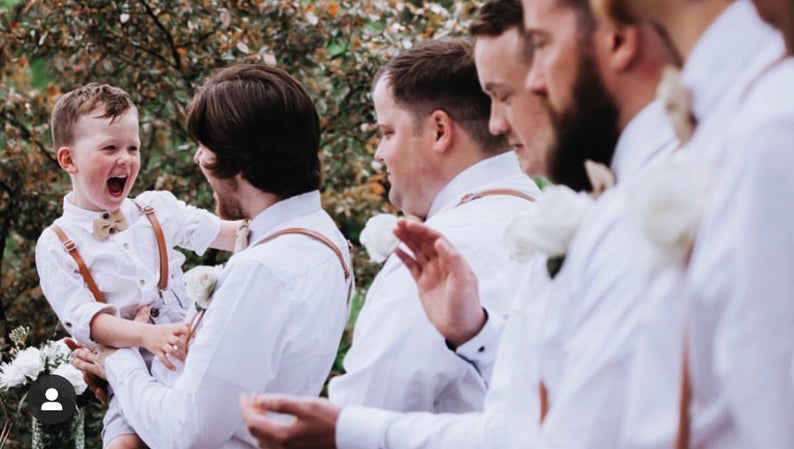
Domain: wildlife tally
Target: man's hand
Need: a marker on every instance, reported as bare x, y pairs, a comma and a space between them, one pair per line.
314, 425
91, 361
447, 286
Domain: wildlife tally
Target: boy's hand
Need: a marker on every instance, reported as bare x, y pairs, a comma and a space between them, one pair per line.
166, 340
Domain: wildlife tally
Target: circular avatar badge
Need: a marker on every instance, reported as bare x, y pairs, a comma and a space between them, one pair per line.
52, 399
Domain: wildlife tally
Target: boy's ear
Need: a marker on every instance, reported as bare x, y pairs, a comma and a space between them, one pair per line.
66, 159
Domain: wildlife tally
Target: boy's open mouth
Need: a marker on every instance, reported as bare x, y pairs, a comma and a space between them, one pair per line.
116, 184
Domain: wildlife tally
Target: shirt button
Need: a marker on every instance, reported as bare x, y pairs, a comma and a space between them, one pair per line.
154, 312
142, 282
126, 246
106, 215
481, 349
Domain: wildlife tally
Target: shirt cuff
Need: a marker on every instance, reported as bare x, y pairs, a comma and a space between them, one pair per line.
123, 362
80, 327
362, 427
481, 349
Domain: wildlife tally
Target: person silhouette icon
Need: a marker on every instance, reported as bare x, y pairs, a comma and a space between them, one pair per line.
51, 406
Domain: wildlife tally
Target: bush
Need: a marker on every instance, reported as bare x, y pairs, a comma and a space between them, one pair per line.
160, 51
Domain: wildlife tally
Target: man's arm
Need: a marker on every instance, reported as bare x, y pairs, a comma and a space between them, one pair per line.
322, 425
201, 407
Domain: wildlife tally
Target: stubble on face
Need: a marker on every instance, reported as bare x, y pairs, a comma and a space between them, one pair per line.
585, 130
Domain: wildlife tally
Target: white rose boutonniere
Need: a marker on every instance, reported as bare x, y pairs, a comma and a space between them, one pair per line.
551, 227
200, 282
378, 236
666, 206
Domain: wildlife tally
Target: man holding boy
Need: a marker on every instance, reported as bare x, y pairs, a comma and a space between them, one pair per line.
279, 306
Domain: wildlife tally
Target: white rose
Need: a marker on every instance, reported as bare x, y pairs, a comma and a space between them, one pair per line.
200, 283
29, 362
11, 376
551, 227
517, 239
56, 352
665, 205
73, 375
378, 236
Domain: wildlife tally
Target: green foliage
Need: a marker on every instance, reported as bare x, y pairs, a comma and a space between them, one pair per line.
160, 51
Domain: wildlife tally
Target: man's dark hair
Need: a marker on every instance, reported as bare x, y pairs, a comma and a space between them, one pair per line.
440, 75
260, 122
497, 16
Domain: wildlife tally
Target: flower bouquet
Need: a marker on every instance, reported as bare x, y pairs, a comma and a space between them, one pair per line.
26, 366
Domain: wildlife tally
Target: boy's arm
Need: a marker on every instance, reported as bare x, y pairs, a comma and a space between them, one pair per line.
227, 236
162, 340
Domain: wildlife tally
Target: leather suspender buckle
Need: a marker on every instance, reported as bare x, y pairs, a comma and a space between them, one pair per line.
69, 246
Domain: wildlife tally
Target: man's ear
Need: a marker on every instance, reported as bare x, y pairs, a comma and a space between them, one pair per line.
65, 156
622, 44
443, 129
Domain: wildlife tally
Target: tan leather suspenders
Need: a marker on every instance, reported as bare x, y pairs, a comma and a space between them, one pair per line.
71, 248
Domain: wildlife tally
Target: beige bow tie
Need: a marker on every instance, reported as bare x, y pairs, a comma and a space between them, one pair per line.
109, 223
675, 99
241, 236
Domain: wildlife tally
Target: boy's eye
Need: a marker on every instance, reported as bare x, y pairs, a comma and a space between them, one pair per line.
110, 148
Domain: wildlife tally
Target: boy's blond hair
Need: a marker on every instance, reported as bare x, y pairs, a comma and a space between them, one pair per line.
81, 101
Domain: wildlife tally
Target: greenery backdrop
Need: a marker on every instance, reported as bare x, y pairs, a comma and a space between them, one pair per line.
160, 52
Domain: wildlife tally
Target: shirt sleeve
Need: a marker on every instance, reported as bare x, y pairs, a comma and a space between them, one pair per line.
236, 351
186, 226
369, 428
65, 288
481, 349
398, 361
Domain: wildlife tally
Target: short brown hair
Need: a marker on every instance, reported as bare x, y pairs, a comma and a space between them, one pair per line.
260, 122
496, 17
71, 106
440, 75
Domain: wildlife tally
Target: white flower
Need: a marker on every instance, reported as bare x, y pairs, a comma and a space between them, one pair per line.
665, 205
200, 283
73, 375
378, 236
29, 362
55, 352
11, 376
552, 225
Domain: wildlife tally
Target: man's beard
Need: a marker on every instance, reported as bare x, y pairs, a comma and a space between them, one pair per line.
227, 200
588, 129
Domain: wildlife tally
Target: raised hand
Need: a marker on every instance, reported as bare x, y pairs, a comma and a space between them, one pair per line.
447, 285
314, 425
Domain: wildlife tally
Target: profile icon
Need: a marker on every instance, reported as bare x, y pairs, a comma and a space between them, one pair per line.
52, 399
51, 405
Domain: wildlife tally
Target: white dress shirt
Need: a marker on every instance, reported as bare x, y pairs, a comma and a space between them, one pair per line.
398, 360
734, 53
273, 325
740, 285
126, 265
579, 381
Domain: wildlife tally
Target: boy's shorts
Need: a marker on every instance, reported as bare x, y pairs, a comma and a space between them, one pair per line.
114, 424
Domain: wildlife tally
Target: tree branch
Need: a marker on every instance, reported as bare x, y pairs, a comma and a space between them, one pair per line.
168, 36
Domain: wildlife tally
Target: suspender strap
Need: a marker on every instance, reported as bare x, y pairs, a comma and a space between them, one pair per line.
325, 241
71, 248
508, 192
544, 401
158, 232
682, 437
197, 318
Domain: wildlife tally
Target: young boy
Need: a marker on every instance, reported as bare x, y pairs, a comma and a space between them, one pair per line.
108, 255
